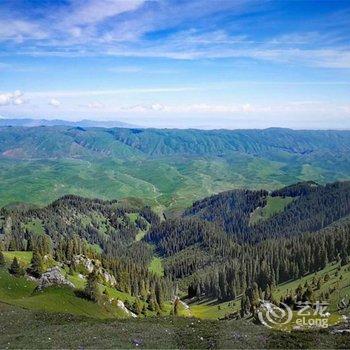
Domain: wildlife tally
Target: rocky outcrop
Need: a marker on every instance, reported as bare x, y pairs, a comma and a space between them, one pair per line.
53, 277
85, 263
81, 262
107, 277
121, 305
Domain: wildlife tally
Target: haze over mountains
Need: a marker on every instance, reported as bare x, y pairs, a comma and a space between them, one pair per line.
28, 122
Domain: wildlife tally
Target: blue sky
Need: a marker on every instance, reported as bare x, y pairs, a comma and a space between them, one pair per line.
199, 63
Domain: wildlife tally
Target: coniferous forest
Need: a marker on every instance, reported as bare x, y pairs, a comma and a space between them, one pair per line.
215, 249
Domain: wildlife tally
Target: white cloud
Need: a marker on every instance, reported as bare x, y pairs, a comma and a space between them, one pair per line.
95, 11
118, 28
14, 98
20, 30
80, 93
298, 107
54, 102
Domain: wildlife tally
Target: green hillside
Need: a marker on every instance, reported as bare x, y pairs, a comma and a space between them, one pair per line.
21, 292
338, 282
211, 255
166, 168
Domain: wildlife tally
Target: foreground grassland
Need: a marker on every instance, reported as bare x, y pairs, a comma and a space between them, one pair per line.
21, 292
57, 318
25, 329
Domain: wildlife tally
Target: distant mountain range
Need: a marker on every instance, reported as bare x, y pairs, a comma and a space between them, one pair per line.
166, 167
85, 123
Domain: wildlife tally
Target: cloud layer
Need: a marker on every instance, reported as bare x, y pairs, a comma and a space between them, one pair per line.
168, 62
190, 30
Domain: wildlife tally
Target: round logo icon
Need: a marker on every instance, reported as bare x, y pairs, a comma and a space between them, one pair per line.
270, 315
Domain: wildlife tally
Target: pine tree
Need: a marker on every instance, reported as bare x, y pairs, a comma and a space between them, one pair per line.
2, 259
176, 307
37, 265
15, 268
91, 289
151, 303
159, 297
243, 305
137, 306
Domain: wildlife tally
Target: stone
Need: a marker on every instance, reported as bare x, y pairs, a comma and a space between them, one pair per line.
53, 277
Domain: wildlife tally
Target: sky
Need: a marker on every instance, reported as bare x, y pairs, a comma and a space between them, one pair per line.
178, 63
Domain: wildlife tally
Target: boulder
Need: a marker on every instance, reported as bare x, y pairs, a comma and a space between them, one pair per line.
107, 277
53, 277
86, 263
121, 305
89, 265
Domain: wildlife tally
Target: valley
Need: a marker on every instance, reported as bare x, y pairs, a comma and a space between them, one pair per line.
174, 174
136, 233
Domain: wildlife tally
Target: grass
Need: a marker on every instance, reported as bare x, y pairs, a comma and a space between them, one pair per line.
133, 217
22, 292
156, 266
77, 280
213, 310
273, 206
27, 329
35, 226
171, 182
96, 248
332, 320
24, 258
140, 235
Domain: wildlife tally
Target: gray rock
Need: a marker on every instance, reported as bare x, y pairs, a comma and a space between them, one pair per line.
53, 277
90, 265
86, 263
121, 305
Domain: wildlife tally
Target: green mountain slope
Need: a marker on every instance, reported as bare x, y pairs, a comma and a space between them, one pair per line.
307, 209
215, 250
167, 168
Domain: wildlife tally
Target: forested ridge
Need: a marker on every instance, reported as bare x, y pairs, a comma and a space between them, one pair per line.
213, 249
313, 208
226, 256
104, 230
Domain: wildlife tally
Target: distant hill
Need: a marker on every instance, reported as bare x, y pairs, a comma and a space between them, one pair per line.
85, 123
266, 142
168, 168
